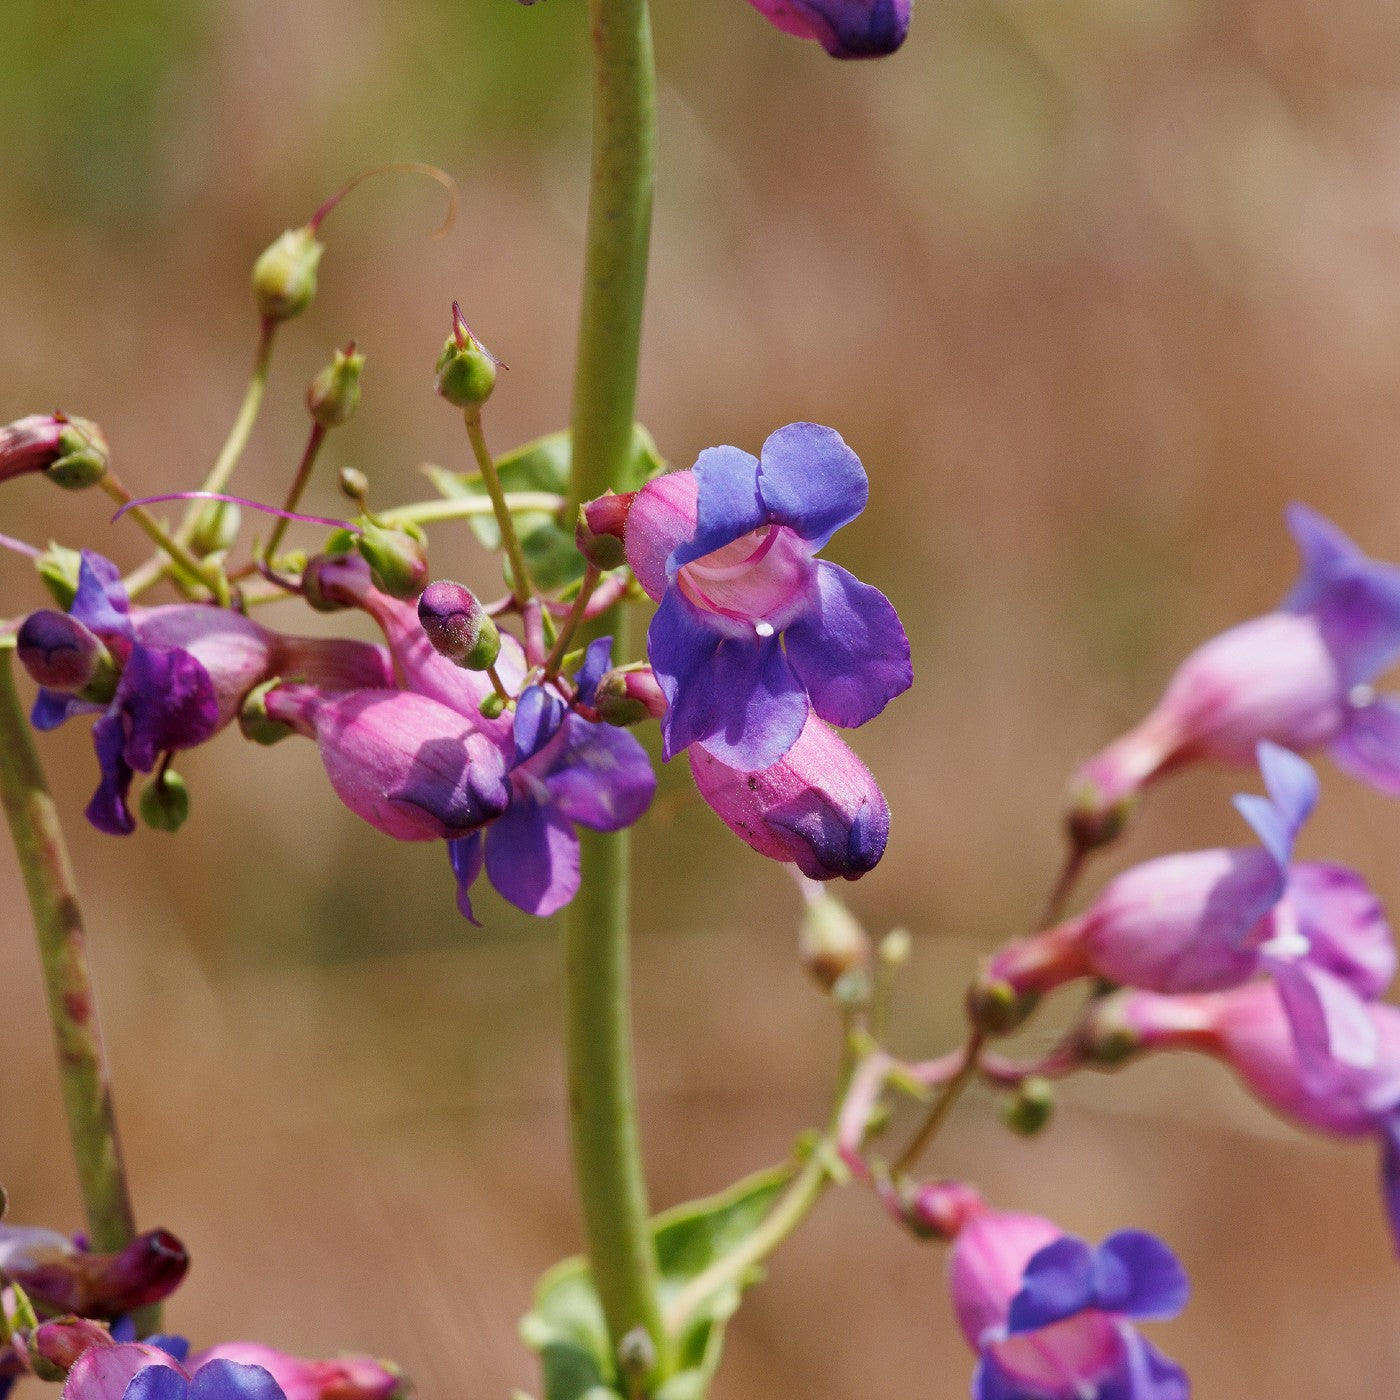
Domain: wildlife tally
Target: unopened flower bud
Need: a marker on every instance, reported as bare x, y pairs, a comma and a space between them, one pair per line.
284, 276
58, 571
492, 707
354, 484
457, 625
466, 374
334, 394
1107, 1036
54, 1346
831, 942
397, 558
1027, 1109
330, 582
1092, 820
255, 722
628, 696
938, 1210
82, 456
599, 532
72, 452
995, 1007
104, 1285
165, 803
216, 527
895, 948
61, 654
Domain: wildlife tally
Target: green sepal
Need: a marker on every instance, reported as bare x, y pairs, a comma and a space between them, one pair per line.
543, 465
58, 570
566, 1325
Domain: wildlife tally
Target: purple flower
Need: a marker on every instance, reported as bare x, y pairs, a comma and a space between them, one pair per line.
844, 28
1050, 1317
754, 633
185, 670
565, 771
1252, 1030
345, 1378
138, 1371
1299, 676
818, 806
1211, 920
60, 1277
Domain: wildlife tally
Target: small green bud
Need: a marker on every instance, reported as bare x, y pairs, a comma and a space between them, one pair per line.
397, 558
216, 527
58, 569
165, 803
284, 276
254, 720
493, 707
334, 394
895, 947
1027, 1109
82, 456
995, 1008
354, 484
466, 369
831, 942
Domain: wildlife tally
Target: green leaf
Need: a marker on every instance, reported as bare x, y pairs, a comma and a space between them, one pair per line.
543, 465
567, 1327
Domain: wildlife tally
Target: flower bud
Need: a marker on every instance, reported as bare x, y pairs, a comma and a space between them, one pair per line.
457, 625
599, 532
58, 1344
397, 558
493, 706
61, 654
255, 722
1027, 1109
938, 1210
72, 452
284, 276
628, 696
995, 1007
466, 373
165, 803
354, 484
216, 527
148, 1269
331, 582
334, 394
831, 942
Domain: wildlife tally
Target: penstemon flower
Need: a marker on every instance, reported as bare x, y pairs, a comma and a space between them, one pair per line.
753, 632
1299, 676
344, 1378
844, 28
1050, 1317
138, 1371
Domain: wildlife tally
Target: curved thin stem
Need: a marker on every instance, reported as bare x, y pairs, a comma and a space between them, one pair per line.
211, 577
314, 439
943, 1105
72, 1002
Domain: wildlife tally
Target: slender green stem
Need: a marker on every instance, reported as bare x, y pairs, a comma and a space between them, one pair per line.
211, 576
238, 434
523, 586
464, 507
58, 922
598, 1037
314, 439
943, 1105
1075, 860
571, 623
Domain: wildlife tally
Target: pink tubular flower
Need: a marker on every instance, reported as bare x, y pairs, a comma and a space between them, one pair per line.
138, 1371
844, 28
345, 1378
818, 806
1299, 676
1050, 1318
1251, 1030
72, 450
409, 766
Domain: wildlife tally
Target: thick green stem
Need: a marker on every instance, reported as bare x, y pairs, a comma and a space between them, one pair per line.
602, 1091
53, 900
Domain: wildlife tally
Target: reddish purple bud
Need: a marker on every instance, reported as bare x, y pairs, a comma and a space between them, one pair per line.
600, 532
457, 626
61, 1342
102, 1285
345, 1378
334, 581
844, 28
60, 653
629, 696
940, 1209
818, 806
410, 767
72, 451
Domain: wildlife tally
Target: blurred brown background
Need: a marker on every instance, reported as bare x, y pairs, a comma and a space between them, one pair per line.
1094, 287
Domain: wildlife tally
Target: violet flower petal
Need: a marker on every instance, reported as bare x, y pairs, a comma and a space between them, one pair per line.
989, 1382
810, 480
599, 776
844, 28
1058, 1282
597, 662
1146, 1374
1293, 789
466, 855
737, 697
850, 651
1338, 914
108, 810
1136, 1275
104, 1373
100, 602
532, 856
728, 504
231, 1380
1356, 599
51, 708
170, 701
538, 715
1332, 1028
1390, 1173
157, 1383
1369, 744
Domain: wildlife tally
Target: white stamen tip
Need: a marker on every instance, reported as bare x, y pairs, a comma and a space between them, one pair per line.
1361, 694
764, 629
